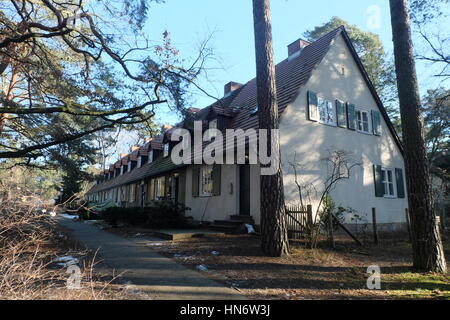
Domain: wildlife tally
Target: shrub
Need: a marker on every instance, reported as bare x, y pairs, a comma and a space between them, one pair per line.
132, 216
166, 214
162, 214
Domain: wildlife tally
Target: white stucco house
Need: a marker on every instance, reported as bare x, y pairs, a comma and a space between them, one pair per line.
326, 102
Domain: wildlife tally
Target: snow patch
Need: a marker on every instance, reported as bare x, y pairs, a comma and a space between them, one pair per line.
250, 228
68, 216
202, 267
66, 261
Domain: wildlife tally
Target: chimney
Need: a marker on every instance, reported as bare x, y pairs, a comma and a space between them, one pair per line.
230, 87
123, 155
134, 148
296, 47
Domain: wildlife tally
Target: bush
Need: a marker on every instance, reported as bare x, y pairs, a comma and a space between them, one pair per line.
162, 215
167, 215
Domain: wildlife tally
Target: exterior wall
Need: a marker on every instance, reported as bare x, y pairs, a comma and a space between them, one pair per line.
312, 141
214, 207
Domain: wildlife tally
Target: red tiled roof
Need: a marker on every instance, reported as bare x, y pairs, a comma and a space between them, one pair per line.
134, 155
143, 151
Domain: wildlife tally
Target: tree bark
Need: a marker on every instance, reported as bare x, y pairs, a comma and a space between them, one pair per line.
274, 241
428, 254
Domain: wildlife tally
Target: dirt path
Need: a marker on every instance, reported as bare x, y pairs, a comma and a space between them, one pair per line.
150, 272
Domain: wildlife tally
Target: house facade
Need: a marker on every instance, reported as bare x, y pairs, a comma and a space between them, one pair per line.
327, 104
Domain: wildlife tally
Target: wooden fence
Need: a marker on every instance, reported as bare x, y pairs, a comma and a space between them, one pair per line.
298, 219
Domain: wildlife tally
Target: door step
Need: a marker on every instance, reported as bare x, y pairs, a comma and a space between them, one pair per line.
233, 224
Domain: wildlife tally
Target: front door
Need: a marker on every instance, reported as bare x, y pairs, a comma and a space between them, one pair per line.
244, 190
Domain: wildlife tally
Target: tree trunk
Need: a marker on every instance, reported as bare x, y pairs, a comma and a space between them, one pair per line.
428, 254
274, 241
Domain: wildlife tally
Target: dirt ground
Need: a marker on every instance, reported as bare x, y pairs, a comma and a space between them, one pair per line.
322, 273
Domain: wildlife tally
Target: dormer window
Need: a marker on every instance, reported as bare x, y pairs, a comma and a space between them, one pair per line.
165, 149
150, 157
213, 124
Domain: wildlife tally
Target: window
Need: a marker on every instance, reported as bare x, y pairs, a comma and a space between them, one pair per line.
212, 125
206, 181
132, 191
362, 121
139, 161
165, 149
388, 182
327, 114
150, 156
157, 188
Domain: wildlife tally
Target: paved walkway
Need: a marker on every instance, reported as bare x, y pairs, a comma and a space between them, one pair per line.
153, 274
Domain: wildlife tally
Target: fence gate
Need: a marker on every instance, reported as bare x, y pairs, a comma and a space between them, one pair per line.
297, 221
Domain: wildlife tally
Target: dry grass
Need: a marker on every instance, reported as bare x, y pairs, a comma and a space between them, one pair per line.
29, 243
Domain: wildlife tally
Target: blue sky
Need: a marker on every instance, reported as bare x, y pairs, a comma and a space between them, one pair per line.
231, 23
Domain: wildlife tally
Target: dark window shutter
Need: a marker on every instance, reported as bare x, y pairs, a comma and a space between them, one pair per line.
216, 176
378, 181
341, 114
376, 123
195, 181
313, 112
351, 116
400, 183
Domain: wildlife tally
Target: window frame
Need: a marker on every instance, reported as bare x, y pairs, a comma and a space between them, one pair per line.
329, 106
150, 156
386, 182
361, 121
166, 149
159, 186
202, 179
139, 162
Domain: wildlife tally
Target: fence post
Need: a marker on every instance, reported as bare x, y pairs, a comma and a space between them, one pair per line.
374, 224
408, 223
309, 215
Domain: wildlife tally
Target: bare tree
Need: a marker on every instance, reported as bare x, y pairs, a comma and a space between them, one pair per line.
340, 164
428, 253
70, 69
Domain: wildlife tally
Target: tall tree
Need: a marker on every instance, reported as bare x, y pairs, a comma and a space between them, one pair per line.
428, 253
274, 241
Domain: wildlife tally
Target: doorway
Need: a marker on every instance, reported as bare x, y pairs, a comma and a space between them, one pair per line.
244, 190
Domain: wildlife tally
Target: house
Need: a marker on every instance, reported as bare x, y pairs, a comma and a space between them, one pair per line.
326, 103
